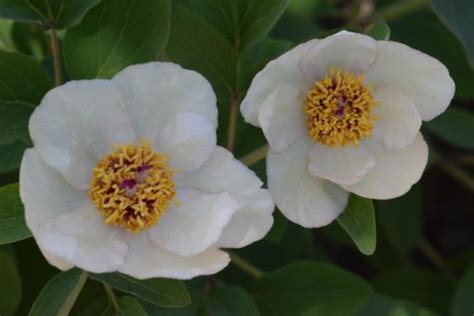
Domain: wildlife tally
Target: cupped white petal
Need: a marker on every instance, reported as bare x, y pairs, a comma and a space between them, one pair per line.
282, 69
146, 259
195, 224
398, 120
223, 173
342, 165
68, 228
155, 92
281, 117
422, 78
187, 140
76, 124
396, 170
345, 51
303, 198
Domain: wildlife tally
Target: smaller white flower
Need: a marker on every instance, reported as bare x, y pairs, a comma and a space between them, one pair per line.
342, 115
125, 175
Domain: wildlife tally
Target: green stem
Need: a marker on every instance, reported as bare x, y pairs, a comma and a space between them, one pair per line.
58, 80
245, 266
255, 156
112, 297
434, 257
232, 127
398, 9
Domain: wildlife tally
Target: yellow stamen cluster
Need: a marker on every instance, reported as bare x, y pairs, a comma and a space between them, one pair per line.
339, 109
132, 187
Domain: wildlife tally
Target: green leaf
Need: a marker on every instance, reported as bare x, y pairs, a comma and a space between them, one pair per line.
358, 220
22, 85
381, 305
116, 34
130, 307
162, 292
91, 301
10, 156
243, 23
12, 216
379, 31
463, 303
10, 285
457, 15
59, 294
230, 301
429, 289
62, 13
17, 10
310, 288
454, 126
207, 51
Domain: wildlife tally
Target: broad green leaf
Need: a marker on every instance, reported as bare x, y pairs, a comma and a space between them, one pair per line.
10, 156
12, 217
429, 289
463, 303
381, 305
130, 307
162, 292
230, 301
458, 16
17, 10
379, 31
244, 22
455, 126
59, 294
358, 220
423, 31
6, 41
30, 39
22, 85
207, 51
62, 13
10, 285
114, 35
310, 288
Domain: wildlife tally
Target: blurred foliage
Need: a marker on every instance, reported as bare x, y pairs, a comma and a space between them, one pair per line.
423, 262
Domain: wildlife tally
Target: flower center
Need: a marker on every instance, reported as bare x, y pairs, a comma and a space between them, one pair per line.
132, 187
339, 109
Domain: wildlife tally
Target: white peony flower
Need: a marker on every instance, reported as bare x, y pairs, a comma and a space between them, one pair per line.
342, 115
125, 175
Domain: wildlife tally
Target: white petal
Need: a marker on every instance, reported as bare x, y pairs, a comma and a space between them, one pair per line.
422, 78
147, 260
223, 173
187, 140
68, 229
195, 224
281, 117
303, 198
346, 51
399, 120
342, 165
155, 92
76, 124
395, 172
282, 69
82, 238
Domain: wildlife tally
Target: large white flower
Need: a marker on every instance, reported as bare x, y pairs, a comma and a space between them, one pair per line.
125, 175
342, 115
